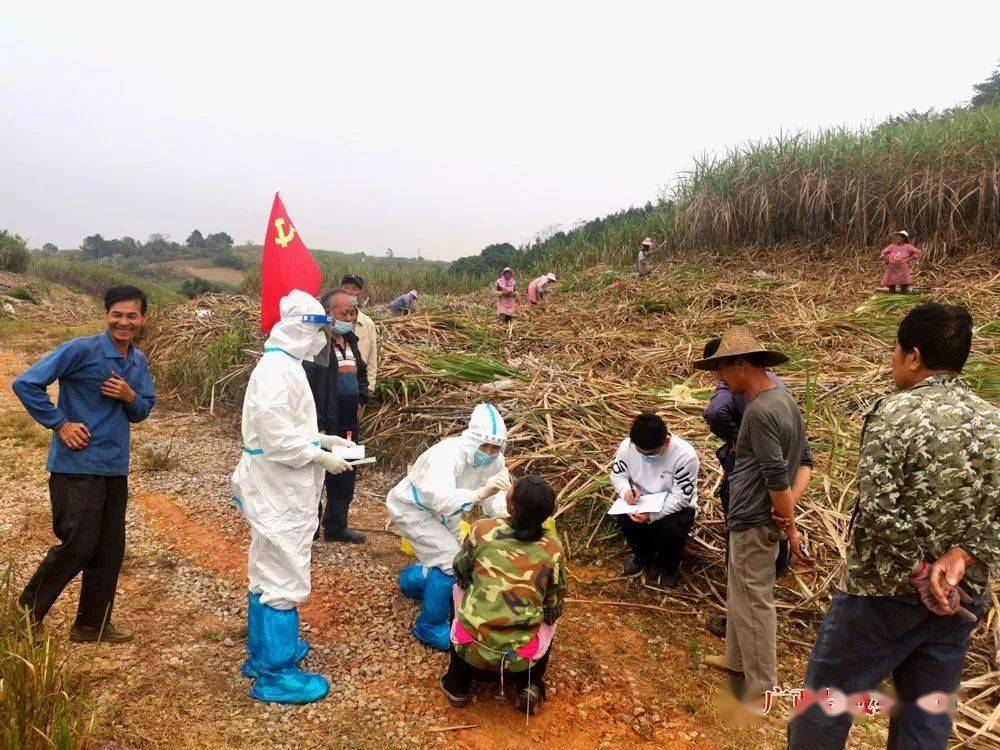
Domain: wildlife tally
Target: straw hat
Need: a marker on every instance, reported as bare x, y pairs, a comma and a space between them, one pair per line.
904, 233
736, 341
648, 242
550, 276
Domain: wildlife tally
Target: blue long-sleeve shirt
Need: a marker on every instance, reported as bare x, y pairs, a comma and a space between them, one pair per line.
724, 412
81, 366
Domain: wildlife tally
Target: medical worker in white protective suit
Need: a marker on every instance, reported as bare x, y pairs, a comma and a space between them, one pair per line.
278, 482
447, 480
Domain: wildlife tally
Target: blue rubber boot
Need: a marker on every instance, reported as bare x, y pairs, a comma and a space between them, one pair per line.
279, 680
413, 581
249, 667
433, 626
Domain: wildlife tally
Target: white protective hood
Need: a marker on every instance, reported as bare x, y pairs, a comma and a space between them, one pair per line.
292, 336
485, 426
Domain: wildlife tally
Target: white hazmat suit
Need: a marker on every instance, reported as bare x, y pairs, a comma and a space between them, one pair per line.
428, 504
278, 482
277, 478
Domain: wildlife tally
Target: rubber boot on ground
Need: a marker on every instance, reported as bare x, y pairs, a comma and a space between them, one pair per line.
249, 667
279, 680
413, 581
433, 626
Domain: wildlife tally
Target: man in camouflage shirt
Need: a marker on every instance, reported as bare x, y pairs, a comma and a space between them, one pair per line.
929, 484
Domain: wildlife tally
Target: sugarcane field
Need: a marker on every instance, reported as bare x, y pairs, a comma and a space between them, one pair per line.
711, 460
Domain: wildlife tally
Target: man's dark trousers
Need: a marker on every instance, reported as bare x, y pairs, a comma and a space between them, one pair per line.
339, 494
862, 640
88, 518
660, 542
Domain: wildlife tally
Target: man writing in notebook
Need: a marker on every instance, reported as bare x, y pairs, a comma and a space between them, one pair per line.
652, 461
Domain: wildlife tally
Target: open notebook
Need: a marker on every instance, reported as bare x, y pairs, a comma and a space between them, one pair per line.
647, 504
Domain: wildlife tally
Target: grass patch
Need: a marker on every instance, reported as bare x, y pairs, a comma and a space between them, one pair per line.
157, 457
94, 280
43, 702
23, 293
19, 427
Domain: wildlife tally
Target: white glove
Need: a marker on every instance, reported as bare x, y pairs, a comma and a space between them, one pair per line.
499, 482
333, 463
327, 442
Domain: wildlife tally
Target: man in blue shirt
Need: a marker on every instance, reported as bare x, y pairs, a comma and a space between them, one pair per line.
104, 385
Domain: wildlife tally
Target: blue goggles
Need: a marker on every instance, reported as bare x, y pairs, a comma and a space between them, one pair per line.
320, 320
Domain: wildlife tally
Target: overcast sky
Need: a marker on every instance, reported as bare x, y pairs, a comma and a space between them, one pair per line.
433, 125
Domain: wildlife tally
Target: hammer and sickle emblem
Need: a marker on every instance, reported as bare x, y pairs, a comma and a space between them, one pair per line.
282, 238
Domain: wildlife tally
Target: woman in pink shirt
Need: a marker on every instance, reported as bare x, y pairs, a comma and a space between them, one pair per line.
897, 257
506, 295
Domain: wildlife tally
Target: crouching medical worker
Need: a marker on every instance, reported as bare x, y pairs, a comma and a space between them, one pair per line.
447, 480
278, 481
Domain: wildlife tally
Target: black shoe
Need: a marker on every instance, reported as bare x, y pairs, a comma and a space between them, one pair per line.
457, 701
633, 567
530, 699
717, 626
348, 536
670, 580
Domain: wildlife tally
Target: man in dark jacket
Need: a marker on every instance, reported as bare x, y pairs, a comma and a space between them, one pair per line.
341, 392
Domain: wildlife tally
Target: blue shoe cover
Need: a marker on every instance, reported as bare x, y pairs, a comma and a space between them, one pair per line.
413, 581
254, 606
279, 680
433, 626
249, 667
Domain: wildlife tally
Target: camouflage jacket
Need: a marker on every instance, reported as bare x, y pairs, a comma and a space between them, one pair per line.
511, 588
929, 480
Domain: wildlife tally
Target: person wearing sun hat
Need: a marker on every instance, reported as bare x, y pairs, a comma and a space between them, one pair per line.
897, 257
537, 288
772, 469
643, 266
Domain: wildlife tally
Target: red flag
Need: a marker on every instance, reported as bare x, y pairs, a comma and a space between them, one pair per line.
287, 265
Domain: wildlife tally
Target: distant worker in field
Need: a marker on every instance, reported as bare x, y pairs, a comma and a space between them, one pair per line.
364, 328
724, 415
643, 265
651, 461
897, 257
511, 576
339, 385
506, 292
278, 482
104, 388
538, 288
403, 304
427, 505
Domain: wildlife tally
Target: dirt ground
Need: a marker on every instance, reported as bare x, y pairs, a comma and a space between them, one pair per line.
620, 676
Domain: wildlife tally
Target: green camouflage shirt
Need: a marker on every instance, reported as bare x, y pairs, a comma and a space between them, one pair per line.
511, 588
929, 480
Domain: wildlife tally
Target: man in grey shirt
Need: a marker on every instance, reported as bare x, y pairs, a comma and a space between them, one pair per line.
773, 467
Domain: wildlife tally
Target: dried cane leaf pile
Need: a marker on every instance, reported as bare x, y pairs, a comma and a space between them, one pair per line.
570, 375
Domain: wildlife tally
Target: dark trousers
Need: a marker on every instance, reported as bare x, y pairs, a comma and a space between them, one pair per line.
339, 494
88, 518
862, 640
660, 542
460, 675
